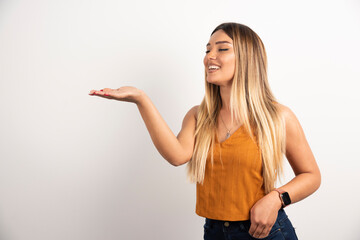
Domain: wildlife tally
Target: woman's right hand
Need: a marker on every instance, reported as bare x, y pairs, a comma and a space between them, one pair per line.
126, 93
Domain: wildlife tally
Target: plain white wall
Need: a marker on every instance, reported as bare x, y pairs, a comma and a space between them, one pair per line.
76, 167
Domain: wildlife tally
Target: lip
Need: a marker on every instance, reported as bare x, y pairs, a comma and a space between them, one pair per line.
212, 71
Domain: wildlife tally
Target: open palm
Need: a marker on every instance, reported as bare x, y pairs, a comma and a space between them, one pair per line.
126, 93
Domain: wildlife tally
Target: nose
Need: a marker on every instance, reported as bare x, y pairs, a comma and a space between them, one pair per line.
211, 55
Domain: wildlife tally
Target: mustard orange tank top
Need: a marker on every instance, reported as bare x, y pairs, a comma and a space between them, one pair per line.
231, 186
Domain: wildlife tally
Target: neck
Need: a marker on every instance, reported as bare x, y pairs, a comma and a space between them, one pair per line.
225, 98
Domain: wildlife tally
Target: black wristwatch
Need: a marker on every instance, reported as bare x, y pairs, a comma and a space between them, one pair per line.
284, 197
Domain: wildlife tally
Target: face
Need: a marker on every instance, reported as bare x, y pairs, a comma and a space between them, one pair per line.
221, 54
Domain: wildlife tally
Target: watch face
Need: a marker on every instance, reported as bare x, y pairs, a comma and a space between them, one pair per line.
286, 198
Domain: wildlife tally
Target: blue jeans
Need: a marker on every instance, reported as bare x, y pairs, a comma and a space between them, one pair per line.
239, 230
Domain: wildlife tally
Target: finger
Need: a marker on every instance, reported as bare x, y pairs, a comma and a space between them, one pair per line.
101, 93
258, 231
252, 229
97, 92
107, 89
263, 233
92, 92
109, 93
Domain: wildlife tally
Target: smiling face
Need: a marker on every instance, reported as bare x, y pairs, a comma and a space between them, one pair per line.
220, 52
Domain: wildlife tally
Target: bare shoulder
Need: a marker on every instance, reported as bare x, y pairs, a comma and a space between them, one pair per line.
195, 110
298, 151
191, 114
294, 130
291, 121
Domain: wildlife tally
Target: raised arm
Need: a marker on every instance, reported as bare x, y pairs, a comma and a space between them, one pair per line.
176, 150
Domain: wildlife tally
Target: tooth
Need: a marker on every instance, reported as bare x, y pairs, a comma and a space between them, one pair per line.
214, 67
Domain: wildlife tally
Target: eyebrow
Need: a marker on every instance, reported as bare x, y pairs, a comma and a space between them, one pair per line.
219, 42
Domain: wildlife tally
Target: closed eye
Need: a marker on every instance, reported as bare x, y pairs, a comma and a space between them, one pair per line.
223, 49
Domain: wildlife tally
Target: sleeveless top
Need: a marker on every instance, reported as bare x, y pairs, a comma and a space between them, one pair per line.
231, 186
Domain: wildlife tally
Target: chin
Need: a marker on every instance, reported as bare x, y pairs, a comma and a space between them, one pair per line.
212, 81
219, 82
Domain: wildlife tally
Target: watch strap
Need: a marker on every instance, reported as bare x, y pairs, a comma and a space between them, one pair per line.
280, 191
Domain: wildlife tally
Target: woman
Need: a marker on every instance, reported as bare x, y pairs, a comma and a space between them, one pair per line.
234, 142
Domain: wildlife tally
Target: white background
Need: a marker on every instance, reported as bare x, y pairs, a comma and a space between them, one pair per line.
80, 167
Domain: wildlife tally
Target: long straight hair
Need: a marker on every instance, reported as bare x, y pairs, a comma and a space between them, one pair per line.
250, 100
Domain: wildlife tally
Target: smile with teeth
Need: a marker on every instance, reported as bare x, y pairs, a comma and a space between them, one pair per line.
213, 68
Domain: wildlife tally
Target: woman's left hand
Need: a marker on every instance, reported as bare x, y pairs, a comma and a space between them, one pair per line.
263, 215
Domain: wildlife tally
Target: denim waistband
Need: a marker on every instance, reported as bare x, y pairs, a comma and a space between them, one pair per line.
281, 215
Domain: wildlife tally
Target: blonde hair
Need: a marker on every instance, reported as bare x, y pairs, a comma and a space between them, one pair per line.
251, 100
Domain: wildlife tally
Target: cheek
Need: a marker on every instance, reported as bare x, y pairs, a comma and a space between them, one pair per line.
230, 63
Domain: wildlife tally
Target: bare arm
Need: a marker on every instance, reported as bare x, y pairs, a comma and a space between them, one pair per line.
298, 152
176, 150
163, 138
307, 180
